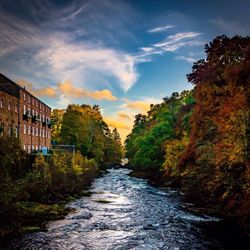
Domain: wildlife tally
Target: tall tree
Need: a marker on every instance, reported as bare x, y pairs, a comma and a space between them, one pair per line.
56, 122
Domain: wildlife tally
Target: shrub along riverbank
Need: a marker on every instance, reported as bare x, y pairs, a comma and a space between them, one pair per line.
32, 194
199, 140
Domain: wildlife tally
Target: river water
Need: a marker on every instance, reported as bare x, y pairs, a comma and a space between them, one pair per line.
124, 213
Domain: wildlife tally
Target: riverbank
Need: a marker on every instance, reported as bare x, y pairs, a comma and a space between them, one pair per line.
29, 216
232, 231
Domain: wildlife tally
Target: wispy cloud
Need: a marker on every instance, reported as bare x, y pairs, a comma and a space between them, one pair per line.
73, 60
172, 43
53, 50
160, 29
73, 47
185, 58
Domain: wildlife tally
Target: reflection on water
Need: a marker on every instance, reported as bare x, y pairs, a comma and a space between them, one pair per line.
123, 213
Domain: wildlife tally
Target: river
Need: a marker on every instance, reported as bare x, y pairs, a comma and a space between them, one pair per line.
122, 213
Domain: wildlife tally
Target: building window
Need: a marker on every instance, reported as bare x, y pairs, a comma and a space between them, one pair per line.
9, 105
36, 148
28, 99
29, 130
24, 109
33, 147
24, 97
9, 130
28, 148
33, 131
43, 132
16, 132
33, 101
24, 147
16, 108
1, 129
1, 103
24, 128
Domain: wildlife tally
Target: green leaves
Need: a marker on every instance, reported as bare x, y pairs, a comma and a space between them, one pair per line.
146, 144
84, 127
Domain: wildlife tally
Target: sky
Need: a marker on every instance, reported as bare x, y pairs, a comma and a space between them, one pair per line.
120, 54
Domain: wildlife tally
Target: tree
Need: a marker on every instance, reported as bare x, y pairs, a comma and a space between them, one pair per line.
116, 136
218, 152
83, 126
56, 122
145, 146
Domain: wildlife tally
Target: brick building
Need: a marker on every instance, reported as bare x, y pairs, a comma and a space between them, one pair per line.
24, 116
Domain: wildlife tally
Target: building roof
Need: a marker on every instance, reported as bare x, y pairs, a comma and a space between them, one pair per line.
20, 88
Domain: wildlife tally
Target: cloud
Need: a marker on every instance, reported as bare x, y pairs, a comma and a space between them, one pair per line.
160, 29
68, 90
124, 126
124, 116
49, 92
172, 40
171, 44
147, 49
185, 58
73, 60
39, 92
116, 124
133, 107
123, 119
140, 106
78, 46
81, 45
